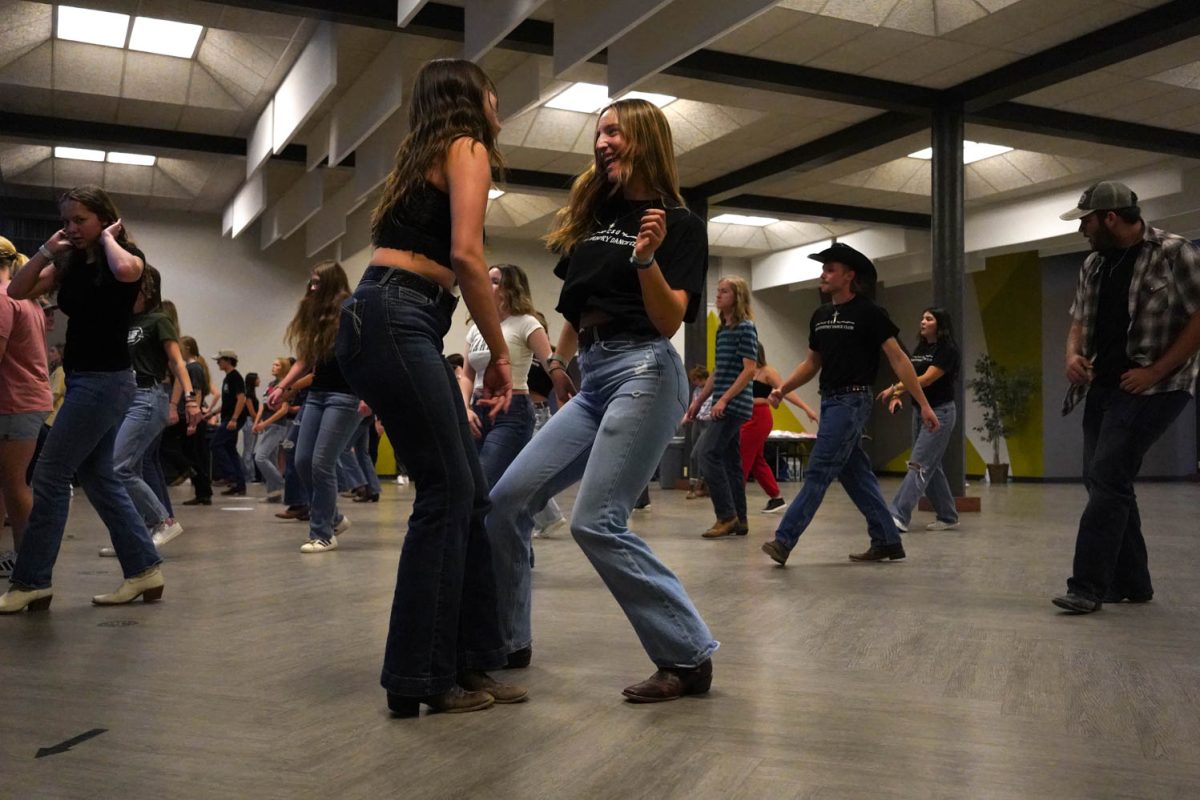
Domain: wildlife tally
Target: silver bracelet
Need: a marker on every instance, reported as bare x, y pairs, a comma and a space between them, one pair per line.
45, 251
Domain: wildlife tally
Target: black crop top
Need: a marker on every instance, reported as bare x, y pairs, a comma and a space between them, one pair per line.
421, 224
761, 389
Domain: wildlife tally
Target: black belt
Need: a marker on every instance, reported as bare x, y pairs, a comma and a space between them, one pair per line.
854, 388
147, 382
606, 331
382, 276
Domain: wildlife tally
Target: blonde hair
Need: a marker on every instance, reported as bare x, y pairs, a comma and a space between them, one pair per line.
649, 155
741, 300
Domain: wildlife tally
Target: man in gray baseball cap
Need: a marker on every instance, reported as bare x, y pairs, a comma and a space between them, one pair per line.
1132, 351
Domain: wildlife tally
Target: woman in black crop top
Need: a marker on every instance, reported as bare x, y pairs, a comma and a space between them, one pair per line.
330, 417
428, 235
633, 266
97, 272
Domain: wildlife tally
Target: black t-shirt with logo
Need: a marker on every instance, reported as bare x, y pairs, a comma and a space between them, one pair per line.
98, 308
943, 355
848, 338
233, 385
147, 332
1111, 334
597, 274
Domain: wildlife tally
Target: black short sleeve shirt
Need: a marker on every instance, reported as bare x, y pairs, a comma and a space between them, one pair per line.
233, 385
849, 337
99, 308
597, 274
943, 355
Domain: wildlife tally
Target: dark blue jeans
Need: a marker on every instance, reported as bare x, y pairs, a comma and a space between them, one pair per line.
1118, 430
228, 462
838, 453
294, 493
81, 443
504, 437
721, 464
445, 616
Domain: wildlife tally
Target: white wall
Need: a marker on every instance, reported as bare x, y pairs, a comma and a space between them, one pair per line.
230, 294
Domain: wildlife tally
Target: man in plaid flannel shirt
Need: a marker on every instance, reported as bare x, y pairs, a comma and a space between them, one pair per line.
1132, 351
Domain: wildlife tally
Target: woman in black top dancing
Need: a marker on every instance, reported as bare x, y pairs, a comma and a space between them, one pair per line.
428, 235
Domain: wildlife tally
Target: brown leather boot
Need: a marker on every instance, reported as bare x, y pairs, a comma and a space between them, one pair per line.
480, 681
671, 683
454, 700
722, 527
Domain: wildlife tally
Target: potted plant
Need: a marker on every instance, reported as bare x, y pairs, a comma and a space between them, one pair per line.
1004, 397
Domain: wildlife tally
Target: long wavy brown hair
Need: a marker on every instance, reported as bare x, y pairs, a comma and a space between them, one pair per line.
514, 290
192, 350
96, 200
447, 102
649, 154
312, 331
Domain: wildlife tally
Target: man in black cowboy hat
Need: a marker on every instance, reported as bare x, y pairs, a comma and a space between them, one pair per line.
845, 339
1131, 348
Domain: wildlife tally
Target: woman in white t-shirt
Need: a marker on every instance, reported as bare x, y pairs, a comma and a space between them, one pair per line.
500, 440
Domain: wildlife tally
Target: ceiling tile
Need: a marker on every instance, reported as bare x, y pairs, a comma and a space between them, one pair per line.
87, 68
26, 25
128, 179
149, 76
147, 114
34, 68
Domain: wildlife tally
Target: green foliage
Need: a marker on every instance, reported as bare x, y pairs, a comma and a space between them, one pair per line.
1003, 395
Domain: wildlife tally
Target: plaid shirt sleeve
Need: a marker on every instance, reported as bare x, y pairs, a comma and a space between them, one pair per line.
1167, 295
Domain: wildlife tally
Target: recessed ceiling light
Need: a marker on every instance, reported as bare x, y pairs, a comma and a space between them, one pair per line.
494, 193
136, 159
742, 219
585, 97
93, 27
591, 97
659, 100
164, 37
79, 153
972, 152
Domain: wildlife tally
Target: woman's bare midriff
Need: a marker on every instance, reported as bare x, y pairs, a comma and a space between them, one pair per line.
414, 262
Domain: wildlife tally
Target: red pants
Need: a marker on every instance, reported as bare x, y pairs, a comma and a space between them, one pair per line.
754, 436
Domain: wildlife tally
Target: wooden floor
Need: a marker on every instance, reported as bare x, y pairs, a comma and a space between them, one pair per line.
949, 675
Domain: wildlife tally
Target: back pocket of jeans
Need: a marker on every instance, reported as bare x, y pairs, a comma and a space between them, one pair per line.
350, 328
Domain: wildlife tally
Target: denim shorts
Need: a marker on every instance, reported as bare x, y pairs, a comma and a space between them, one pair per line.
23, 426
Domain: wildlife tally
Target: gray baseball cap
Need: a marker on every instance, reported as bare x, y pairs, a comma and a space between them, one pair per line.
1103, 196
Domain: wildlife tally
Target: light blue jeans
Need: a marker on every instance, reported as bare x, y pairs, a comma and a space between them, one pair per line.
362, 454
81, 443
144, 422
838, 453
249, 442
610, 437
925, 476
328, 422
551, 513
266, 455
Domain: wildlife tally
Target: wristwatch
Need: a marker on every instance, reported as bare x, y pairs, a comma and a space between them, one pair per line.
633, 259
557, 358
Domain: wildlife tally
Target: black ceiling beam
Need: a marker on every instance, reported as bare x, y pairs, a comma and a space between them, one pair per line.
850, 141
834, 211
1142, 33
72, 131
536, 179
778, 76
1082, 127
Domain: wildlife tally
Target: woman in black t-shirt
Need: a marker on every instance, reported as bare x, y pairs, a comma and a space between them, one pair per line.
633, 265
936, 362
97, 271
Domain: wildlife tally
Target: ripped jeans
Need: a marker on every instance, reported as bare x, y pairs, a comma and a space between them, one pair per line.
925, 476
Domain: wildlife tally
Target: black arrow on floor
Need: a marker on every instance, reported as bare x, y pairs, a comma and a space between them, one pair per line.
63, 747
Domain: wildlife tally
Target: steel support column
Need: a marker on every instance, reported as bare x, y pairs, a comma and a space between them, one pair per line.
950, 262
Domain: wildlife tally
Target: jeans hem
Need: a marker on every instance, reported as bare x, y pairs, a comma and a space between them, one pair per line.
691, 663
416, 687
485, 660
